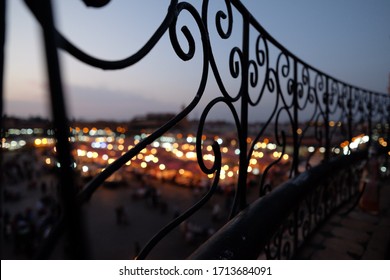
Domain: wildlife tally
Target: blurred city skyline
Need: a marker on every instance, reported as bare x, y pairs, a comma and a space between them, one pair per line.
348, 40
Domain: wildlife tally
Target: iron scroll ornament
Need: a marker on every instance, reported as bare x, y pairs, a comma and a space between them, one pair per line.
169, 23
294, 85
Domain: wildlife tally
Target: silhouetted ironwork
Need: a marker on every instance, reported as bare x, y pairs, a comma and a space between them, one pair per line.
315, 105
2, 42
281, 221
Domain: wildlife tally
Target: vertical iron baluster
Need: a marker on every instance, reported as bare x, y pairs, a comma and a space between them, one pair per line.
370, 118
295, 125
326, 120
350, 121
240, 199
2, 61
70, 209
349, 114
2, 44
327, 141
244, 114
295, 122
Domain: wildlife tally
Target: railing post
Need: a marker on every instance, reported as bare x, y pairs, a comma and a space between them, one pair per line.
242, 176
369, 106
70, 209
350, 123
349, 115
2, 44
295, 123
327, 139
2, 61
326, 120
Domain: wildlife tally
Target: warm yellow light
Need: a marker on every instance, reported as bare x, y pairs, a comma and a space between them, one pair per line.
185, 146
162, 166
144, 164
148, 158
38, 142
261, 155
48, 161
190, 155
179, 154
344, 144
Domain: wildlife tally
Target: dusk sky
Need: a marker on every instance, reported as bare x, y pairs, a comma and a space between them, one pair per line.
349, 40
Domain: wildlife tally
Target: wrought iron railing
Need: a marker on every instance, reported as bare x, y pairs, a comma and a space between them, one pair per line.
302, 104
267, 230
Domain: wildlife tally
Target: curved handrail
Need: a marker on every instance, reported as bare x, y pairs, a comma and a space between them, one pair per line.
246, 235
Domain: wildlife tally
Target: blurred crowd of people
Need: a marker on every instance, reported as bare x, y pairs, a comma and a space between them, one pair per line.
26, 229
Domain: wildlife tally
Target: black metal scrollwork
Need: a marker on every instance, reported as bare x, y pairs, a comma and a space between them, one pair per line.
305, 102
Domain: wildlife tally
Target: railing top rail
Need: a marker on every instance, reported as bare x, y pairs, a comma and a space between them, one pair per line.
245, 236
254, 22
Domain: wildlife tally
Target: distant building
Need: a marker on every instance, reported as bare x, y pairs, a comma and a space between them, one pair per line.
152, 121
33, 122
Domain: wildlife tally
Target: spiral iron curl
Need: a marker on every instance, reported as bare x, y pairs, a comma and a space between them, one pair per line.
271, 71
